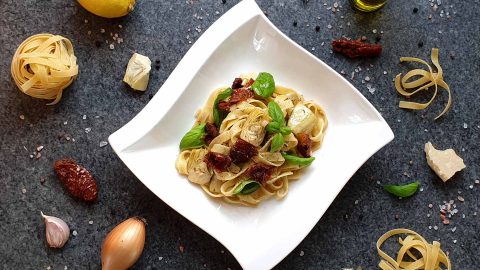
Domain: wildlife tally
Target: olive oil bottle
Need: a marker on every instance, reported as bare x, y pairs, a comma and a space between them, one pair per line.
368, 5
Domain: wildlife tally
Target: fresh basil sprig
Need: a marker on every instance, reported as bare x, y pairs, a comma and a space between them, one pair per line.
298, 160
277, 126
219, 115
264, 85
403, 190
276, 113
193, 138
277, 142
246, 187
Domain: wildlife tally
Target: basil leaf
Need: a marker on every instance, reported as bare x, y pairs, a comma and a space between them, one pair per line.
298, 160
219, 115
285, 130
404, 190
273, 127
246, 187
277, 142
193, 138
275, 112
264, 85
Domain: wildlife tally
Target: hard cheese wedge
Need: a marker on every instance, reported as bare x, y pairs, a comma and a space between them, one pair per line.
444, 163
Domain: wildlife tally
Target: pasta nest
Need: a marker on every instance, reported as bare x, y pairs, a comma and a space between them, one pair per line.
44, 65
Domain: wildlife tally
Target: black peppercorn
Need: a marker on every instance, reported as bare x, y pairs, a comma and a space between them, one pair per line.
415, 10
295, 23
317, 28
420, 44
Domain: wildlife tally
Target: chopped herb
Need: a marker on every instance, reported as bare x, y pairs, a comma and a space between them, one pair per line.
264, 85
246, 187
219, 115
193, 138
403, 190
298, 160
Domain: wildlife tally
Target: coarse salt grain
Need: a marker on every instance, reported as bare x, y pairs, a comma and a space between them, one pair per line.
465, 125
435, 227
39, 148
302, 253
90, 222
22, 117
160, 258
24, 190
112, 46
430, 205
88, 129
84, 117
103, 143
460, 198
356, 201
74, 233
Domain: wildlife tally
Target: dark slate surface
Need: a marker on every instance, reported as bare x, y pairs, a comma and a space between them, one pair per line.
344, 237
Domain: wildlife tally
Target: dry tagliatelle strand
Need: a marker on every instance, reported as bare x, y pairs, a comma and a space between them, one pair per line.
44, 65
431, 254
426, 80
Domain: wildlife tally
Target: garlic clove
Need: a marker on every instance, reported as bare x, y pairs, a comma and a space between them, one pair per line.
56, 230
138, 72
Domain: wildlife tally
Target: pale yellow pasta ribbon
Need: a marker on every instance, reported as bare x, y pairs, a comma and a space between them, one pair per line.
427, 79
44, 65
431, 254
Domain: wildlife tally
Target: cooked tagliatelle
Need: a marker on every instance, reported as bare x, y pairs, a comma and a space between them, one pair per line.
426, 80
44, 65
250, 140
415, 254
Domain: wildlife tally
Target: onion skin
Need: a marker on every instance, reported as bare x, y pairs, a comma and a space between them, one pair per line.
123, 245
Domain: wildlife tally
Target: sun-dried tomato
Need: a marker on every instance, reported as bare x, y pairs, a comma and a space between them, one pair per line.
304, 145
78, 181
240, 95
260, 172
237, 83
356, 48
249, 83
217, 161
242, 151
211, 132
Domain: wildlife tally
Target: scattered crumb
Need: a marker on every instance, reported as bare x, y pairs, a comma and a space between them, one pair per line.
302, 253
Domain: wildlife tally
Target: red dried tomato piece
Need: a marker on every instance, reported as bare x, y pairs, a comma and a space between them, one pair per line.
242, 151
240, 95
237, 83
224, 106
260, 172
78, 181
211, 131
249, 83
356, 48
304, 145
217, 161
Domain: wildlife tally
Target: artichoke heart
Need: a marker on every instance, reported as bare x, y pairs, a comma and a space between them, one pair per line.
253, 131
138, 72
198, 171
302, 119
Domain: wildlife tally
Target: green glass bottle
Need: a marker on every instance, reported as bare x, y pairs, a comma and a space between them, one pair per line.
368, 5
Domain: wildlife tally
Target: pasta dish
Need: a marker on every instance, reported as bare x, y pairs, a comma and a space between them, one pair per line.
250, 140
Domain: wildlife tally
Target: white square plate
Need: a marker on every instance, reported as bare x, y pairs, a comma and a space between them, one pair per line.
244, 40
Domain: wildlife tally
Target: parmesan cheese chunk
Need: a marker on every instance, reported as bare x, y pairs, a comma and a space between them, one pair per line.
444, 163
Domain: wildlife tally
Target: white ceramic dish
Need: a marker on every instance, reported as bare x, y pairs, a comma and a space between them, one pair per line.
244, 40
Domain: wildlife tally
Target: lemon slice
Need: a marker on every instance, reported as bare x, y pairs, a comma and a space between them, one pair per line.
108, 8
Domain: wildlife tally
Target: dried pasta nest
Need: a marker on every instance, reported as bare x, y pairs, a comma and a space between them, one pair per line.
44, 65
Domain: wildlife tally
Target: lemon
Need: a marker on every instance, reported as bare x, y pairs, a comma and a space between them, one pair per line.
108, 8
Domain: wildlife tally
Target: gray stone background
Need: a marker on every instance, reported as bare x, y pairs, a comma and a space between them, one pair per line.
164, 31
